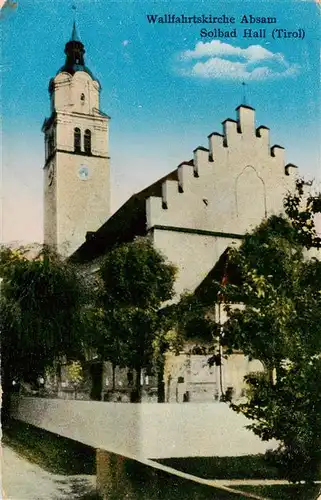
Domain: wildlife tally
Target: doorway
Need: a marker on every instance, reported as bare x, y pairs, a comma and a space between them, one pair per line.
96, 373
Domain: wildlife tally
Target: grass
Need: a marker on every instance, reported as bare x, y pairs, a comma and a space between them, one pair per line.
91, 496
284, 492
245, 467
53, 453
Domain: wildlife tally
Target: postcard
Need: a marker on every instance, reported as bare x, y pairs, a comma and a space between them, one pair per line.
143, 143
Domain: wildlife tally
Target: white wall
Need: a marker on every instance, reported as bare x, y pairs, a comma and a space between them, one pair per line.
68, 89
114, 426
194, 255
196, 429
149, 430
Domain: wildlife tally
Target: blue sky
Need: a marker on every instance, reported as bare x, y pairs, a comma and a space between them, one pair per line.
164, 86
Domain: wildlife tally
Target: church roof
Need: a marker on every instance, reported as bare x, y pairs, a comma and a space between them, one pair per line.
126, 223
74, 68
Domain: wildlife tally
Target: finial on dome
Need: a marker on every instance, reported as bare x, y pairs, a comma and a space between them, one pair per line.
74, 34
244, 93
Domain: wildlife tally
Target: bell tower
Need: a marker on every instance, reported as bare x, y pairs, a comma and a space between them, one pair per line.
76, 169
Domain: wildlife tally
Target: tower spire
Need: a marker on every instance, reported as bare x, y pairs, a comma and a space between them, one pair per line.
74, 34
75, 52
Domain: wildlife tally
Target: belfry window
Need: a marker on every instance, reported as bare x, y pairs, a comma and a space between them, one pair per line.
77, 140
82, 97
87, 141
46, 147
50, 143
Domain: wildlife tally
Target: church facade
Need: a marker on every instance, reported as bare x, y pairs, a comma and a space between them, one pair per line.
192, 215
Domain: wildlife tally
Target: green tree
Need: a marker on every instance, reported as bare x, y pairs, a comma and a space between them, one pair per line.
301, 210
280, 324
106, 337
137, 281
42, 300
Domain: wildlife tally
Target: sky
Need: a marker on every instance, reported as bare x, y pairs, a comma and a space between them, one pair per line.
165, 86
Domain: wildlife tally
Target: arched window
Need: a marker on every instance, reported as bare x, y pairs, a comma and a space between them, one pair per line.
87, 141
82, 97
77, 139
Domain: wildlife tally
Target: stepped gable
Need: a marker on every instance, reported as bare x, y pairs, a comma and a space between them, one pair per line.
224, 149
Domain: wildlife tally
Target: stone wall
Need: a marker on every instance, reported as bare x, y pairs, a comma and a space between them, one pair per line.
147, 430
188, 377
99, 387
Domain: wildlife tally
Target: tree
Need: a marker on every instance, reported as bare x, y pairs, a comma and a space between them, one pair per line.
107, 339
137, 281
280, 324
42, 299
301, 209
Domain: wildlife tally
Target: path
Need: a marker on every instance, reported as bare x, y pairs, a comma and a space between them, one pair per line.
22, 480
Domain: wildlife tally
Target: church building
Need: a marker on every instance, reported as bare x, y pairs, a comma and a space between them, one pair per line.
192, 215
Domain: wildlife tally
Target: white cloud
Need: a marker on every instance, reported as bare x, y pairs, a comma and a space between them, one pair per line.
216, 67
218, 48
224, 61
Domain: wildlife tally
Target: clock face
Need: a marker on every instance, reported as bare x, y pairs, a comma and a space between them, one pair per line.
83, 172
51, 174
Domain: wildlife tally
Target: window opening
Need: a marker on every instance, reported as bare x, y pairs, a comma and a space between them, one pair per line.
87, 141
77, 139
